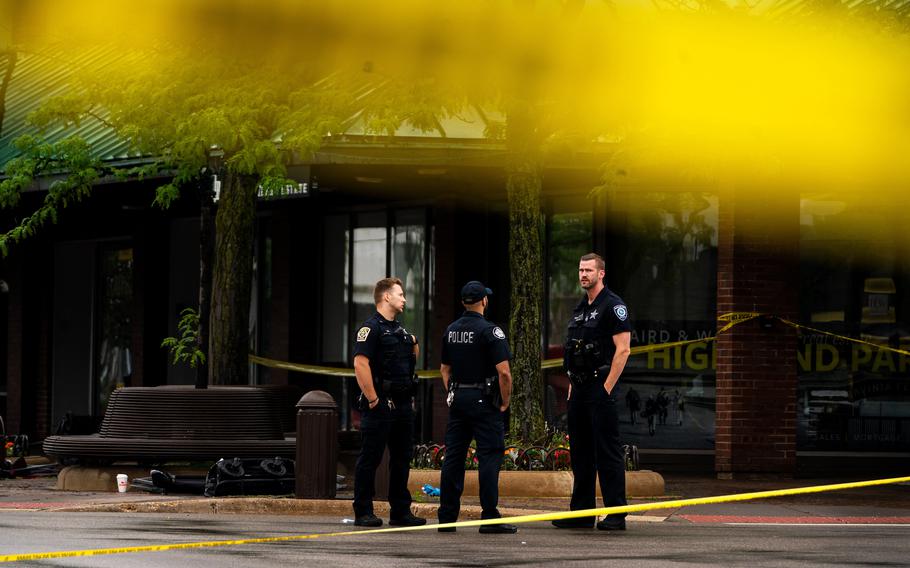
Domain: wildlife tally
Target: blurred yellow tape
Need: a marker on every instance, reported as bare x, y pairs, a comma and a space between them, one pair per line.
844, 337
321, 370
731, 319
520, 519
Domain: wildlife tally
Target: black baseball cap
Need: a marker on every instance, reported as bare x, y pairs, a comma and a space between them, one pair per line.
474, 291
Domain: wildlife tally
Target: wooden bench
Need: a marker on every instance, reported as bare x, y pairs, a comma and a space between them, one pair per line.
180, 423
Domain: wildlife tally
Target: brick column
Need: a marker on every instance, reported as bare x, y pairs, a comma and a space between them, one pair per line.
758, 271
28, 341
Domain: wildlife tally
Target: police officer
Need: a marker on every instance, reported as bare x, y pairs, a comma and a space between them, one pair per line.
597, 346
385, 355
476, 375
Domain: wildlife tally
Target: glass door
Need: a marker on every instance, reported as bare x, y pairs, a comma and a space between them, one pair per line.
114, 333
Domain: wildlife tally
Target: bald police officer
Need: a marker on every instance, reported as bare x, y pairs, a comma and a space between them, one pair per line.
475, 372
596, 350
385, 355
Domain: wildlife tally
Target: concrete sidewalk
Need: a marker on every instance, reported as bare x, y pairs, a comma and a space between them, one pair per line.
882, 504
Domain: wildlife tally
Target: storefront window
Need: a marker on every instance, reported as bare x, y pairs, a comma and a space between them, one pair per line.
855, 283
369, 243
409, 262
662, 260
361, 249
569, 237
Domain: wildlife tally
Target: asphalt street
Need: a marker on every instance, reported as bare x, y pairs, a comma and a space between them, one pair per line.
672, 543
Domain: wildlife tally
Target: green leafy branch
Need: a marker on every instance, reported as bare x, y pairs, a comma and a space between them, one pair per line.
70, 158
185, 348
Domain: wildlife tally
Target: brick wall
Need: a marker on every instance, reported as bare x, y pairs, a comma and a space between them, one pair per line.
756, 360
28, 342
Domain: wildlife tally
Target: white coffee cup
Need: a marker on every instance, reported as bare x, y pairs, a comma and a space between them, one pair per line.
122, 482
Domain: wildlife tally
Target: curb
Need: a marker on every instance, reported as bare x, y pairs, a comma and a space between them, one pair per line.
290, 506
511, 483
271, 506
643, 483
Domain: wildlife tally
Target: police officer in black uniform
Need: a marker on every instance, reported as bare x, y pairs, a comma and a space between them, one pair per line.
475, 372
385, 355
597, 346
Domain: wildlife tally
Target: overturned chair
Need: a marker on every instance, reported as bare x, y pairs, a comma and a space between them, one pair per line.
154, 425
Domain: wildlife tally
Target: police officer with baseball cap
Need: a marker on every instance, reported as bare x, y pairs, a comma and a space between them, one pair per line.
475, 372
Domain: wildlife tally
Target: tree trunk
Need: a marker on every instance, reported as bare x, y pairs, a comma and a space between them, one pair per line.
523, 185
229, 344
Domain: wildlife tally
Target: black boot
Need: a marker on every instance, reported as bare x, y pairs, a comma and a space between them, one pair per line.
576, 523
409, 520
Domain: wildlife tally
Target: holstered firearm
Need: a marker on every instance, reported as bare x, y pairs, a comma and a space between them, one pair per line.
400, 388
492, 392
583, 359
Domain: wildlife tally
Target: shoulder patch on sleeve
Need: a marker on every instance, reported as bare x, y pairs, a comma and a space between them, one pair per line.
498, 334
363, 333
621, 312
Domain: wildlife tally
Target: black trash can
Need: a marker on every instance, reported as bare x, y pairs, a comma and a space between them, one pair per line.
317, 446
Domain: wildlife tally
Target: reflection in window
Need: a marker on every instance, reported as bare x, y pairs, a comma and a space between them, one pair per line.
114, 363
569, 239
667, 270
369, 262
662, 260
409, 264
855, 282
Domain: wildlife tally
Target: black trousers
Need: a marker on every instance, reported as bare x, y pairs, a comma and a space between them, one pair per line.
471, 416
381, 427
595, 448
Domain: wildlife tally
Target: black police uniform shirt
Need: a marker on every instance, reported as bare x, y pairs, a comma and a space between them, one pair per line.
600, 320
473, 346
378, 339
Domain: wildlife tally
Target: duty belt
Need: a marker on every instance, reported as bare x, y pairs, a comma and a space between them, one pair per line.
581, 378
474, 384
456, 385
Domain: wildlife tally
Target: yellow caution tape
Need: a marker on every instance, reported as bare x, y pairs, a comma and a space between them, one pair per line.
735, 318
844, 338
732, 319
517, 520
321, 370
314, 369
